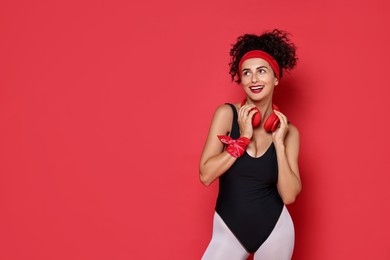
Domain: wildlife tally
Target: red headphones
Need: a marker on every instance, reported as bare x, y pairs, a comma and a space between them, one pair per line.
270, 124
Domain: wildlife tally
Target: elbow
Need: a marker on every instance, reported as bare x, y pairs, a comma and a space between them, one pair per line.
290, 199
204, 179
205, 183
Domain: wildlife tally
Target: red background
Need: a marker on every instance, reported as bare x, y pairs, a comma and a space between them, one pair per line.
105, 107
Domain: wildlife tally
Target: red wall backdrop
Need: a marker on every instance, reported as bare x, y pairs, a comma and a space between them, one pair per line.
105, 106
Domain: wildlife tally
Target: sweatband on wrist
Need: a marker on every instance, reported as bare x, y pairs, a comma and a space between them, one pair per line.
235, 148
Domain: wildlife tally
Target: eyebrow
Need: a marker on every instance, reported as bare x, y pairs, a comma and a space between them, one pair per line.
260, 67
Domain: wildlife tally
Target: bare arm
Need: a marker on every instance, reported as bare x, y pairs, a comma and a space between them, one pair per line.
214, 161
286, 140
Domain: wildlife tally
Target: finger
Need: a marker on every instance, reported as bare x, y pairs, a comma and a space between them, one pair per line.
244, 110
281, 123
247, 107
282, 118
285, 121
252, 113
241, 113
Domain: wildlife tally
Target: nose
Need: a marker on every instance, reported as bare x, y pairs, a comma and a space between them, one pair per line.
254, 77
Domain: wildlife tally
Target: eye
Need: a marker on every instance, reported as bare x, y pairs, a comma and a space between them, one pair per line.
246, 73
262, 71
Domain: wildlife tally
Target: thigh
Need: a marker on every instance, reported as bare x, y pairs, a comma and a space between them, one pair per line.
224, 245
280, 244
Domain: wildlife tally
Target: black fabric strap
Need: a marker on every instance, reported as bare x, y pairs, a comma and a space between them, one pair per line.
235, 131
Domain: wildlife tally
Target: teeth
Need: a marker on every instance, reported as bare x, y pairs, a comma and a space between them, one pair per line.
257, 87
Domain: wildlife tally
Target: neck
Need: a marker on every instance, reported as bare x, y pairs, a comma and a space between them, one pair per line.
264, 105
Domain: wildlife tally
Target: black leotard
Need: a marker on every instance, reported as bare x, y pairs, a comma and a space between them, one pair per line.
248, 200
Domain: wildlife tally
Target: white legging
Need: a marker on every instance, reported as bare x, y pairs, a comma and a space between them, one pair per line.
278, 246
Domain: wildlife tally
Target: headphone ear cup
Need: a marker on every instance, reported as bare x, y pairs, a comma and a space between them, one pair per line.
271, 123
256, 119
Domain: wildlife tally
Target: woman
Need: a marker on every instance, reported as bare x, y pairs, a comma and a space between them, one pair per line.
253, 150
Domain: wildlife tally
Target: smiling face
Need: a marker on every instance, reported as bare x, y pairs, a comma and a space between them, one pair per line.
257, 79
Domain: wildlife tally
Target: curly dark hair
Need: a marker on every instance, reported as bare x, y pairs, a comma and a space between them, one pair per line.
276, 43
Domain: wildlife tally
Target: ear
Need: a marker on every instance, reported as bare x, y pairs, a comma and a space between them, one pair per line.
276, 81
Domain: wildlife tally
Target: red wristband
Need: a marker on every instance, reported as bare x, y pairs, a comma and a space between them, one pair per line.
235, 148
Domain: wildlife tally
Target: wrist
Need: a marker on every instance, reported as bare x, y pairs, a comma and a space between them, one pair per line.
245, 139
279, 145
246, 136
235, 148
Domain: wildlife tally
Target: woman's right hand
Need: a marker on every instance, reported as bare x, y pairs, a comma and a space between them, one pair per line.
245, 115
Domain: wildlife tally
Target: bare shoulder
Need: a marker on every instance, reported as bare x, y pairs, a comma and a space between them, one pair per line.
222, 119
220, 125
292, 138
293, 130
223, 110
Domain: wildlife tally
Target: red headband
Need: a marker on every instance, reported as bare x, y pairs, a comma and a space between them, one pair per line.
263, 55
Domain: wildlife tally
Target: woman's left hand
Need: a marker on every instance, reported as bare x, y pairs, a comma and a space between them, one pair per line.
280, 133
